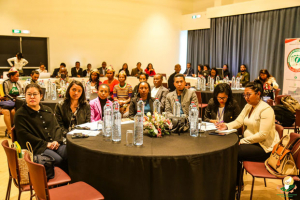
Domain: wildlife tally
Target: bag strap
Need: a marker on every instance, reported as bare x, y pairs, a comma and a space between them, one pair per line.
29, 147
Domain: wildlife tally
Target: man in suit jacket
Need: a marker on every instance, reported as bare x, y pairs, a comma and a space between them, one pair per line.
189, 71
159, 91
185, 97
171, 78
77, 71
56, 72
137, 71
102, 70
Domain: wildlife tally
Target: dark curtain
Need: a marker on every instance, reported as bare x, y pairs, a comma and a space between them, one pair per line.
198, 47
256, 40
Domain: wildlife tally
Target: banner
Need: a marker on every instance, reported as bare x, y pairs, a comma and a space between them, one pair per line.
291, 79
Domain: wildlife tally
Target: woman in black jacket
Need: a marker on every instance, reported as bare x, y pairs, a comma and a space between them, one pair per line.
74, 109
222, 107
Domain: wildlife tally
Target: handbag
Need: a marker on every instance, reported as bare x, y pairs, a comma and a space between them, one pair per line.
281, 162
179, 124
48, 162
23, 168
9, 104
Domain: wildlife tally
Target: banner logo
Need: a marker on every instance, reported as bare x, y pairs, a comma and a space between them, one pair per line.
293, 60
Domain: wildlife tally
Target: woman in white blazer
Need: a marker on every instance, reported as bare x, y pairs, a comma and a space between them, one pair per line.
258, 120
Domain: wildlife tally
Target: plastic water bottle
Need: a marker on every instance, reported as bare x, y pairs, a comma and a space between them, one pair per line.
199, 83
48, 89
138, 129
116, 105
233, 83
237, 83
203, 83
107, 121
212, 84
53, 91
88, 90
194, 122
83, 83
217, 79
116, 134
176, 108
140, 106
156, 106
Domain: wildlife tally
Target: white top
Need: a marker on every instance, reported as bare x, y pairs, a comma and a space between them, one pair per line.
17, 64
40, 71
221, 113
154, 91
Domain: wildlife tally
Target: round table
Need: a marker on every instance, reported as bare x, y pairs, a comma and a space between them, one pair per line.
172, 167
237, 95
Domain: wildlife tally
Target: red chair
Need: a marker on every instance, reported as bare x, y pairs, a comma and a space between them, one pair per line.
14, 173
201, 105
258, 169
38, 179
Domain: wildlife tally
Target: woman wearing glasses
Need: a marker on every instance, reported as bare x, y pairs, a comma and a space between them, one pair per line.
36, 123
222, 107
258, 120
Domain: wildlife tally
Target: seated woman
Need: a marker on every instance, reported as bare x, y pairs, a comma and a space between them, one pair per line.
260, 134
36, 124
125, 69
145, 94
95, 81
12, 88
123, 93
222, 107
150, 70
226, 72
142, 78
269, 82
74, 109
97, 104
63, 75
111, 81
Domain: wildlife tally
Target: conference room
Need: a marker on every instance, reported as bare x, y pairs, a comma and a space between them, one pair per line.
148, 99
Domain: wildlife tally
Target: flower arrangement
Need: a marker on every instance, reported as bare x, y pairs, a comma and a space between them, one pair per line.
157, 125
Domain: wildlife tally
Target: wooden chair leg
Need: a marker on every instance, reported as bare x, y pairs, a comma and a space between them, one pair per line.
265, 182
252, 187
8, 189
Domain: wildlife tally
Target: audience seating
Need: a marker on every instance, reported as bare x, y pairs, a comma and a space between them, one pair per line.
38, 179
201, 105
14, 173
258, 169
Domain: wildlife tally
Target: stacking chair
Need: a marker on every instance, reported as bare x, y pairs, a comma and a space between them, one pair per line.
38, 179
14, 173
201, 105
258, 169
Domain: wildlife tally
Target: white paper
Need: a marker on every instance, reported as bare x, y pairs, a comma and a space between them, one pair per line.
86, 132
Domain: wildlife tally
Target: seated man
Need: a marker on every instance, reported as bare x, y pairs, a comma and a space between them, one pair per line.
189, 71
159, 91
102, 70
56, 72
34, 76
171, 78
63, 76
184, 96
77, 71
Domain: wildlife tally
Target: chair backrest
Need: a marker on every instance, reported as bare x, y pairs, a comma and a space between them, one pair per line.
198, 93
278, 99
12, 160
13, 134
37, 175
279, 129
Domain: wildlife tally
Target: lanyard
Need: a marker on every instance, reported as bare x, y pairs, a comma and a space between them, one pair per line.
221, 113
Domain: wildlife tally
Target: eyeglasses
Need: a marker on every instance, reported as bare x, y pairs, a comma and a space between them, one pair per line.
247, 95
222, 98
33, 94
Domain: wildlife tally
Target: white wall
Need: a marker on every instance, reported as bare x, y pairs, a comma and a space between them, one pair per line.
92, 31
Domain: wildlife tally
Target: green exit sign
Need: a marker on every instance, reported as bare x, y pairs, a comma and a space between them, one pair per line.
16, 31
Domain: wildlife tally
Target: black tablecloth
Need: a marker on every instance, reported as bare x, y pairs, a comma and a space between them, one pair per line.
172, 167
237, 95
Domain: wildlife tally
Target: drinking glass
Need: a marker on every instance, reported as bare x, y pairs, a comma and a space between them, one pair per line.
129, 138
202, 130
